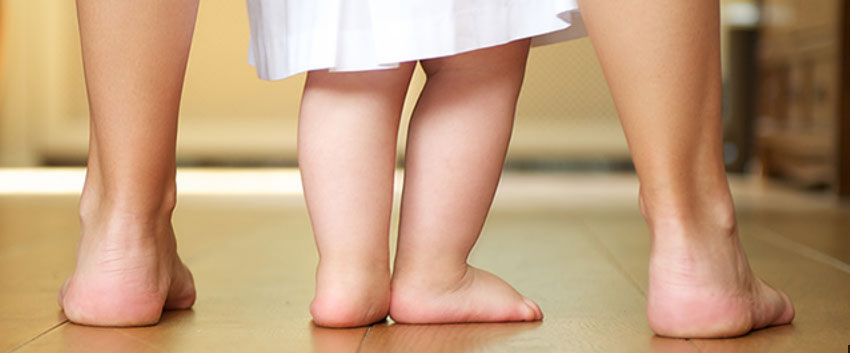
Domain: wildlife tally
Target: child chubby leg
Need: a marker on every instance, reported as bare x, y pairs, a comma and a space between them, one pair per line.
346, 150
457, 141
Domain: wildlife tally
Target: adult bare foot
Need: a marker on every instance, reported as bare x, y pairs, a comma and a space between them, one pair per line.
465, 295
350, 295
701, 285
127, 271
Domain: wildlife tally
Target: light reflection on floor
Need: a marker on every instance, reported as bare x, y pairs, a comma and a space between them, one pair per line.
209, 181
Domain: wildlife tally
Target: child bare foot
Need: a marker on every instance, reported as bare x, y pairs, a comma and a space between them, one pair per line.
127, 272
348, 296
701, 285
468, 295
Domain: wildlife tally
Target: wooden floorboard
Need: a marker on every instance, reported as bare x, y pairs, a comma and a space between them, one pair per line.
252, 259
589, 305
575, 244
37, 240
818, 290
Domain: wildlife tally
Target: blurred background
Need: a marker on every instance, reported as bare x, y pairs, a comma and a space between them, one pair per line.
566, 204
785, 105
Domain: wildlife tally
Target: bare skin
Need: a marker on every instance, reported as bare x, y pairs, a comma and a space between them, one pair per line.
346, 153
456, 146
661, 59
128, 269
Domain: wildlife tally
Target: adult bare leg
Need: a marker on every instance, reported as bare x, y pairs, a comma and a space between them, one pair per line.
128, 270
662, 62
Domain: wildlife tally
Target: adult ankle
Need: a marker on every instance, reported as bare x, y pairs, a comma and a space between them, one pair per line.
97, 202
684, 214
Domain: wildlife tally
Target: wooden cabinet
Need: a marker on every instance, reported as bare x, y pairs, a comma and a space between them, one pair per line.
800, 117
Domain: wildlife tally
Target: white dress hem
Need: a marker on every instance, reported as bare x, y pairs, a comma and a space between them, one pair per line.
279, 50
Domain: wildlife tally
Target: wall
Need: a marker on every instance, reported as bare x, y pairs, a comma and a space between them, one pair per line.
230, 116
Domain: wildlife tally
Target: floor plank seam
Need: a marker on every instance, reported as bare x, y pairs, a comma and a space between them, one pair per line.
38, 336
801, 249
693, 344
611, 258
363, 339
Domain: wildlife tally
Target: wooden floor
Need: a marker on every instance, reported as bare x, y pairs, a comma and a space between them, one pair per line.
574, 243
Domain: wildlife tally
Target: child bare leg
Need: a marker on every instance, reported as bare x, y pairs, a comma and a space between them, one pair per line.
457, 141
346, 151
662, 62
127, 268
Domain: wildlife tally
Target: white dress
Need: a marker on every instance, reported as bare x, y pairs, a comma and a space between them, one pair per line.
294, 36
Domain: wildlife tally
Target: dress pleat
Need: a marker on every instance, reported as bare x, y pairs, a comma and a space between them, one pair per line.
294, 36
